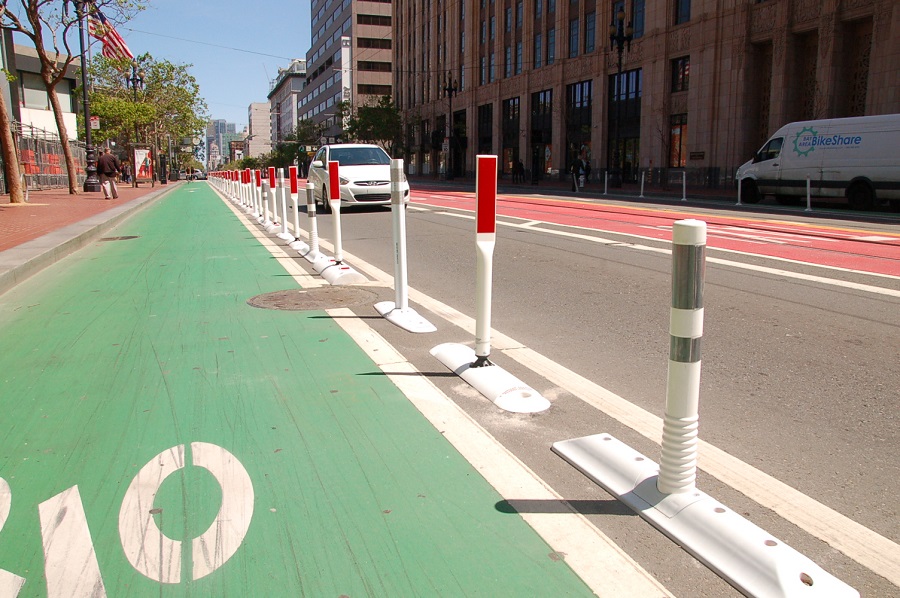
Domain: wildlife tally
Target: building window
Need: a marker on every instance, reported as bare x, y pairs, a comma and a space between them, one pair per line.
374, 66
373, 42
493, 71
374, 90
551, 6
590, 32
637, 17
508, 19
551, 45
538, 8
573, 38
493, 27
518, 58
483, 31
34, 92
483, 70
507, 67
681, 71
682, 11
538, 52
677, 140
381, 20
520, 13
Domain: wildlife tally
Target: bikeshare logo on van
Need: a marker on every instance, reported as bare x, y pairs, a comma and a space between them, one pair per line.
808, 139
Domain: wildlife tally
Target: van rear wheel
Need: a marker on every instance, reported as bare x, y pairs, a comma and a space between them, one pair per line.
861, 196
749, 191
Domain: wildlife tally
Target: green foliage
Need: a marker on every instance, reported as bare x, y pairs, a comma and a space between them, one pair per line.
166, 104
381, 123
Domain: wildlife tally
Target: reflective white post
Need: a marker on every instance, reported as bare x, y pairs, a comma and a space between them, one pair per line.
808, 196
678, 466
334, 199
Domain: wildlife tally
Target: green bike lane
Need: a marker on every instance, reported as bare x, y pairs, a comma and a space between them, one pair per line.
162, 437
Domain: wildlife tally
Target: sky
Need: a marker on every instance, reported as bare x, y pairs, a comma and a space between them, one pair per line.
235, 47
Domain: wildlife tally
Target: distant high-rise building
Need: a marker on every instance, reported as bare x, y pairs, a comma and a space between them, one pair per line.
259, 139
350, 59
283, 97
216, 130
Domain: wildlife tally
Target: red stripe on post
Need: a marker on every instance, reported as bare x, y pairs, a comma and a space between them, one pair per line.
486, 194
292, 174
258, 174
272, 177
334, 182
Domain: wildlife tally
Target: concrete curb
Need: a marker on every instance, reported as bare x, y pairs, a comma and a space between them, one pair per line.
23, 261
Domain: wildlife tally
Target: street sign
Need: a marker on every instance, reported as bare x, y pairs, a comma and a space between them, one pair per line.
95, 122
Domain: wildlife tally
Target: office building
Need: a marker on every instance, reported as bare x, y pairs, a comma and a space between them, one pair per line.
693, 86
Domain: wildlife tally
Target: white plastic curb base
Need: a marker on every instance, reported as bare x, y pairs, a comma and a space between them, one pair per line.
338, 274
407, 318
271, 226
499, 386
285, 237
743, 554
299, 246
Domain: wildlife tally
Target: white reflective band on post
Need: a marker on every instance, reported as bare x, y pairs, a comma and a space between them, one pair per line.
686, 323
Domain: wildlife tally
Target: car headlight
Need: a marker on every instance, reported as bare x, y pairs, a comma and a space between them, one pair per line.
402, 176
344, 180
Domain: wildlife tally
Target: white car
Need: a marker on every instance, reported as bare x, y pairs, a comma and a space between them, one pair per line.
364, 172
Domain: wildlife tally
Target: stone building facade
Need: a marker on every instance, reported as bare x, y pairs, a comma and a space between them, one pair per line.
702, 82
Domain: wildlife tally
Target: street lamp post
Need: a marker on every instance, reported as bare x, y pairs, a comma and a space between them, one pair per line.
136, 81
450, 89
91, 182
620, 35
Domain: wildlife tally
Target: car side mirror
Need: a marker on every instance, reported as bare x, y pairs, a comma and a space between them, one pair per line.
317, 164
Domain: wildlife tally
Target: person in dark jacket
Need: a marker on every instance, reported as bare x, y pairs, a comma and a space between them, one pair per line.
108, 167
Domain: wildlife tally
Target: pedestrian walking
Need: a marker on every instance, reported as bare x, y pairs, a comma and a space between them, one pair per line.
108, 167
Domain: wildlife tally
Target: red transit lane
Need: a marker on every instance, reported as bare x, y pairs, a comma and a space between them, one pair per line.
839, 247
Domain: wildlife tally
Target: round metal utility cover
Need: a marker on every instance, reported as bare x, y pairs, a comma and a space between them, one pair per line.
313, 299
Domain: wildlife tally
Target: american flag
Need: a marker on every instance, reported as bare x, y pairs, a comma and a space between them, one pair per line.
114, 47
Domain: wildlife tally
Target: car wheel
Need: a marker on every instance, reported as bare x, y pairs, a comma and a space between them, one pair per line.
749, 191
861, 196
326, 205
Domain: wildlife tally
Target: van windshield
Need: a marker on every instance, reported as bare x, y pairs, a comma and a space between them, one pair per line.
355, 156
771, 150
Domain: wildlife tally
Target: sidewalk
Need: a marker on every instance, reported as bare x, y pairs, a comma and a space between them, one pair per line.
163, 437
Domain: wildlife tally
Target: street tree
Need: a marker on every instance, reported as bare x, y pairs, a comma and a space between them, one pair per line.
380, 123
167, 106
49, 25
10, 156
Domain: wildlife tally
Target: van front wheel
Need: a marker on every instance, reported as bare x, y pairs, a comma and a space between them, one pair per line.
861, 196
749, 191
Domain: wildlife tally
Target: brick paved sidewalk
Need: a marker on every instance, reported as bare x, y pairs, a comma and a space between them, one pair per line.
51, 210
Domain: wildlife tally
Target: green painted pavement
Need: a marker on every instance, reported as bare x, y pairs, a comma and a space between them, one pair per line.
130, 347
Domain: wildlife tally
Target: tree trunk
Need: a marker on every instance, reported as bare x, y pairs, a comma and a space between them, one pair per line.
10, 156
63, 138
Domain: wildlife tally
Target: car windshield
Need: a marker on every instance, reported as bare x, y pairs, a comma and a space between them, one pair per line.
356, 156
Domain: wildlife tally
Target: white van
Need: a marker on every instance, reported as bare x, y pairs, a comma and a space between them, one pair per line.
853, 158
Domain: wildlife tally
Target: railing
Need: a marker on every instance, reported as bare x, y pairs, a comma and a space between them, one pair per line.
41, 159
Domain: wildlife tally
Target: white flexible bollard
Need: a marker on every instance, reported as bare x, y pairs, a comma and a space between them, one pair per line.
605, 181
496, 384
399, 312
313, 225
264, 197
296, 244
335, 271
261, 215
684, 185
678, 466
741, 180
284, 235
808, 196
273, 200
643, 173
334, 200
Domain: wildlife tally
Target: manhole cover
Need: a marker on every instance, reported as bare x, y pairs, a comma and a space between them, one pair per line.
125, 238
313, 299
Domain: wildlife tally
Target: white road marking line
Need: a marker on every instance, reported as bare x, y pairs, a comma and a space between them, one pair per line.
764, 269
601, 564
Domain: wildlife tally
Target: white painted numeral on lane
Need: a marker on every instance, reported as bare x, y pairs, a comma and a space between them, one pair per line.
10, 584
70, 563
158, 557
218, 543
146, 548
